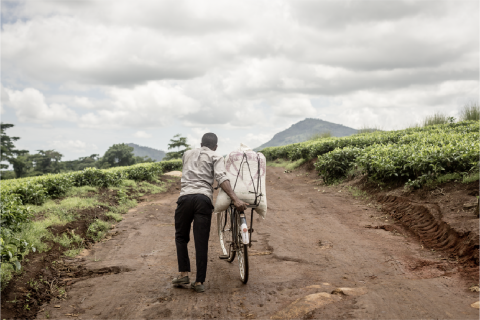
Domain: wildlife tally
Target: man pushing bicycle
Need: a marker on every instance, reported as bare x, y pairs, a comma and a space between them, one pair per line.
201, 167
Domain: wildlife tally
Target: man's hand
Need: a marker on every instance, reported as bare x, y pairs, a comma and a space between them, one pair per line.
239, 204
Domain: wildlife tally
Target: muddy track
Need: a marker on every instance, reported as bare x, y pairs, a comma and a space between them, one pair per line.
321, 254
432, 231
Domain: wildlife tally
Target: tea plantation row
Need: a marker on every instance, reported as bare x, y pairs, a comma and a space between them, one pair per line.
17, 193
413, 153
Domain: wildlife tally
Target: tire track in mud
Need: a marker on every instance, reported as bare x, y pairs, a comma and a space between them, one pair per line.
433, 233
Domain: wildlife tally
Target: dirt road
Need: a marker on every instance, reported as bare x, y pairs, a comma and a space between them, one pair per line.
311, 244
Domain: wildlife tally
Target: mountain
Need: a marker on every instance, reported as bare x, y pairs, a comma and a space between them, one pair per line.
147, 151
304, 130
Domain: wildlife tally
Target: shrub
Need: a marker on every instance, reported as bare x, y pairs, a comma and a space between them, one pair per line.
470, 112
12, 213
335, 165
437, 118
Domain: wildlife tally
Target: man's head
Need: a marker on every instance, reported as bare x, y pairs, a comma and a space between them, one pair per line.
209, 140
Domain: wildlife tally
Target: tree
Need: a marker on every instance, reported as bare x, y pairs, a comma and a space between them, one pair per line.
22, 164
177, 142
118, 155
8, 151
47, 161
82, 163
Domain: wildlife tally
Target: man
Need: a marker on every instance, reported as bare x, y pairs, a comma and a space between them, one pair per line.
201, 167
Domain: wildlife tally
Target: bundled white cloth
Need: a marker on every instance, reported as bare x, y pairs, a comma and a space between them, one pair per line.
246, 170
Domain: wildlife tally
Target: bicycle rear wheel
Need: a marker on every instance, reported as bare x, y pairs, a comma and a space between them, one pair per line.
224, 227
242, 252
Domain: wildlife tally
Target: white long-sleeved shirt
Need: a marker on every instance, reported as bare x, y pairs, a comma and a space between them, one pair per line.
201, 167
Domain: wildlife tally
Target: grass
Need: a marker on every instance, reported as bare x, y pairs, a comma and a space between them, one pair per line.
73, 252
72, 241
6, 273
115, 216
67, 239
475, 176
98, 229
319, 136
437, 118
67, 204
60, 212
137, 189
448, 177
470, 111
357, 193
124, 206
146, 187
81, 191
54, 213
288, 165
368, 129
457, 177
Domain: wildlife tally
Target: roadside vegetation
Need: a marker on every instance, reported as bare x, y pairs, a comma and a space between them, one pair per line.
416, 156
32, 207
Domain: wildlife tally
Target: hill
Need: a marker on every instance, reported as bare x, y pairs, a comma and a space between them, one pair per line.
304, 130
141, 151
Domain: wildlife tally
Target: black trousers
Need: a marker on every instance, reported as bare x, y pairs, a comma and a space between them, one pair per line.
197, 208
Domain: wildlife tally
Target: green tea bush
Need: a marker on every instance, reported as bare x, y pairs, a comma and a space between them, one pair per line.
335, 165
98, 177
432, 154
418, 153
36, 190
12, 213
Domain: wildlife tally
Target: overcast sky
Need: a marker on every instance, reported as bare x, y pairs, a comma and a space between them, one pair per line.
79, 76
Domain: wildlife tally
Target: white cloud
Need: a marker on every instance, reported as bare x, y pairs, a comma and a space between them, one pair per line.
142, 135
75, 146
298, 107
397, 109
154, 104
30, 106
4, 98
249, 67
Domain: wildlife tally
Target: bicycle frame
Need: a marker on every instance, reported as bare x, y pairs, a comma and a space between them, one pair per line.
234, 216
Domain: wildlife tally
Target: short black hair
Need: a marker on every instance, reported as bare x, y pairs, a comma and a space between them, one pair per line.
209, 140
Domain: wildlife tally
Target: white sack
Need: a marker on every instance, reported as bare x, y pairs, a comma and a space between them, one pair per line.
244, 184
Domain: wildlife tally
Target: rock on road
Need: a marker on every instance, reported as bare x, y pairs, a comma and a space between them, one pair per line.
314, 259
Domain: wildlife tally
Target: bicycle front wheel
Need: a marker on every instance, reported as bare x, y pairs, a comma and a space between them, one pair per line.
224, 227
242, 252
243, 262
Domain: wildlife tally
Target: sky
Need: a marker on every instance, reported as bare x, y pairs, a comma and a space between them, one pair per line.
79, 76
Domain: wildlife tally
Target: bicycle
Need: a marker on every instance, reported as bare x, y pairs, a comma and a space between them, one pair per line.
228, 225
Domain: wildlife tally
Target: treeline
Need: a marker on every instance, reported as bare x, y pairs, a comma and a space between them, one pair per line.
43, 162
49, 161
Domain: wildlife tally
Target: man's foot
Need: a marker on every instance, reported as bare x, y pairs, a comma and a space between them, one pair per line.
181, 280
198, 287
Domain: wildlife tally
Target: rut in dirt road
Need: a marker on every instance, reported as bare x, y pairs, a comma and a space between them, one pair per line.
314, 259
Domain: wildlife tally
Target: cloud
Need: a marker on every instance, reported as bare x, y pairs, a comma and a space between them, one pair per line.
5, 98
341, 14
152, 105
142, 135
75, 146
236, 68
294, 108
30, 106
400, 108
